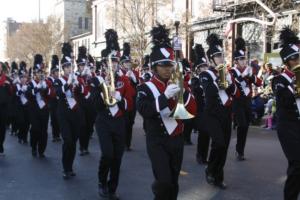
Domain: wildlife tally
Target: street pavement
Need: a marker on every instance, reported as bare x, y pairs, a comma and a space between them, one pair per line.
260, 177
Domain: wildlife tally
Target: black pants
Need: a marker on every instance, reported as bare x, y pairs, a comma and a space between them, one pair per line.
111, 133
289, 137
39, 126
54, 120
88, 127
202, 145
292, 184
23, 122
3, 121
130, 116
70, 123
219, 131
188, 128
203, 138
166, 154
242, 117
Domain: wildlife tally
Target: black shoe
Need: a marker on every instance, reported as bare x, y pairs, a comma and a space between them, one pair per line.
67, 175
240, 157
58, 139
41, 155
81, 152
209, 178
113, 196
86, 152
128, 149
221, 185
20, 141
72, 173
34, 153
200, 160
25, 142
2, 152
103, 191
188, 143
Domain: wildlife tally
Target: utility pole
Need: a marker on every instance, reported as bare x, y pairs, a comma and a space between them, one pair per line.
39, 1
187, 29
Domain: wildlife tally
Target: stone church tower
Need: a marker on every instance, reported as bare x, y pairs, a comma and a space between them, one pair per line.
75, 15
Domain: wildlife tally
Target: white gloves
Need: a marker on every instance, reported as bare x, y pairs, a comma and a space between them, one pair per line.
131, 75
171, 90
24, 88
100, 79
117, 96
44, 85
72, 80
86, 71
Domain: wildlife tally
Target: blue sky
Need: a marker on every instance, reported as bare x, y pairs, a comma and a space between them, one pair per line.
25, 10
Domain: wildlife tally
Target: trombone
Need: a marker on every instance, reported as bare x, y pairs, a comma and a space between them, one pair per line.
179, 112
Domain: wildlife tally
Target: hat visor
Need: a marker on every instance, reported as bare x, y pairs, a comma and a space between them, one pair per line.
165, 63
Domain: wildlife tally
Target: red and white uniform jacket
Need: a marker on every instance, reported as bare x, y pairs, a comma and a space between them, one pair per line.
21, 93
155, 108
38, 93
122, 85
244, 80
6, 89
68, 94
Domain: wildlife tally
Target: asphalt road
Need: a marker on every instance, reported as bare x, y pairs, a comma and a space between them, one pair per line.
260, 177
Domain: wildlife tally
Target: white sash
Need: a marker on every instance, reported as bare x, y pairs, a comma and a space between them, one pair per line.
71, 101
243, 84
169, 123
22, 96
112, 109
292, 90
38, 96
222, 94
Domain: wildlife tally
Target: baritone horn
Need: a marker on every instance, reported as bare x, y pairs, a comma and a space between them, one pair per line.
223, 84
296, 70
179, 112
109, 88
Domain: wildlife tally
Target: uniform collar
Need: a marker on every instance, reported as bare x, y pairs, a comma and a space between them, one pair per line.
158, 83
65, 77
289, 72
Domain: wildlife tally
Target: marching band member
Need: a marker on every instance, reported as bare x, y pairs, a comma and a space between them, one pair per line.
111, 105
54, 74
5, 93
146, 71
243, 78
201, 65
217, 111
37, 94
288, 110
84, 73
133, 76
13, 99
69, 112
155, 101
22, 105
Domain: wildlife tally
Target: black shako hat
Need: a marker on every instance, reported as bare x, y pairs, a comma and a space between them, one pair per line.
162, 52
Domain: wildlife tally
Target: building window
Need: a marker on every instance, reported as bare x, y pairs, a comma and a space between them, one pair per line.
80, 22
86, 23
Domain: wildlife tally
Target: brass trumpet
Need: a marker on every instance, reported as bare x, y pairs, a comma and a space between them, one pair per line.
180, 111
296, 70
109, 89
223, 84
